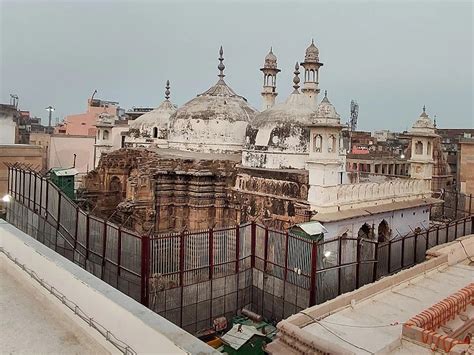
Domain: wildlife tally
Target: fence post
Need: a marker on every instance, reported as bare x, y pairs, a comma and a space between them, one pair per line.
253, 232
470, 204
314, 269
414, 251
29, 189
145, 269
437, 235
287, 237
265, 250
77, 226
211, 252
456, 205
119, 252
47, 199
427, 241
87, 237
237, 249
455, 230
358, 263
389, 261
104, 248
403, 253
376, 257
339, 269
181, 259
59, 208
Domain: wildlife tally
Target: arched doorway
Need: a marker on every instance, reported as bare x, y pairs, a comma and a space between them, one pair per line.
383, 231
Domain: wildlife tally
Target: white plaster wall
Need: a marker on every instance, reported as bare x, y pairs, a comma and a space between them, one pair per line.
7, 130
401, 222
145, 331
274, 159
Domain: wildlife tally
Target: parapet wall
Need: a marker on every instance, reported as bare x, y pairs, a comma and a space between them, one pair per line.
348, 196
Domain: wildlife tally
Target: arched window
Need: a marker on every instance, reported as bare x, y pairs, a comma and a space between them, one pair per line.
428, 151
98, 134
419, 148
105, 136
365, 232
155, 132
332, 144
383, 231
317, 143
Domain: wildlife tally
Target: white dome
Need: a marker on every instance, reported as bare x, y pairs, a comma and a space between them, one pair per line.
278, 138
159, 118
214, 121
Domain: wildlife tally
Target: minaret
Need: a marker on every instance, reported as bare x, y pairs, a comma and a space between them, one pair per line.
311, 67
270, 72
325, 162
421, 161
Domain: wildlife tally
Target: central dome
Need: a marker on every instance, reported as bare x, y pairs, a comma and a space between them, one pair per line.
215, 121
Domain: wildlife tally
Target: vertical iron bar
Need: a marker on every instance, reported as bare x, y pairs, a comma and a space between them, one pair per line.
253, 230
287, 237
211, 253
76, 233
87, 237
339, 269
314, 269
455, 230
456, 205
181, 275
470, 204
145, 269
358, 263
237, 248
34, 194
265, 250
104, 248
119, 252
376, 262
389, 269
403, 253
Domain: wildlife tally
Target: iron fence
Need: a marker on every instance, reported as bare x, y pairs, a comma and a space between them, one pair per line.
191, 278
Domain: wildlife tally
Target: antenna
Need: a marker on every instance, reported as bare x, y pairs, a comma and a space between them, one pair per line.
354, 115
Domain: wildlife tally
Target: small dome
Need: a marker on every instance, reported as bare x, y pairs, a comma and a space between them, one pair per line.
159, 118
423, 124
326, 110
278, 138
270, 60
312, 53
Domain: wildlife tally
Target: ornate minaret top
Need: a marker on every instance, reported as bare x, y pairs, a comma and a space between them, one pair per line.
296, 79
221, 65
311, 67
270, 72
167, 91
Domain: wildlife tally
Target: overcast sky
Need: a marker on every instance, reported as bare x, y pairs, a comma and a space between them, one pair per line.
392, 57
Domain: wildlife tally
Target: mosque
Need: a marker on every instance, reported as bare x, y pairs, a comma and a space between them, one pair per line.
216, 161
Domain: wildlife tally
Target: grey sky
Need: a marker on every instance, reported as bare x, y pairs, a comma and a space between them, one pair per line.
392, 57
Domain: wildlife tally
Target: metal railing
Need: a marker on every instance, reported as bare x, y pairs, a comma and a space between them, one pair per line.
191, 278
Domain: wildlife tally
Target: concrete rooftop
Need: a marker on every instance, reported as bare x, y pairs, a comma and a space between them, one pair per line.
31, 320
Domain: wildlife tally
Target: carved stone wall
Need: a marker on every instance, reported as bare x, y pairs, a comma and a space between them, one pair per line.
277, 198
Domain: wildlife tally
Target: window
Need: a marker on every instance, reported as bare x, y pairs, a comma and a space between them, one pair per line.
317, 143
105, 135
155, 132
429, 149
332, 144
419, 148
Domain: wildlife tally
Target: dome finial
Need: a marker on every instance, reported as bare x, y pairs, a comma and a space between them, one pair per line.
296, 79
167, 91
424, 109
221, 65
325, 93
312, 40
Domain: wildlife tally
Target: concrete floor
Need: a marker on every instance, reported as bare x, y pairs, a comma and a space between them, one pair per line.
32, 323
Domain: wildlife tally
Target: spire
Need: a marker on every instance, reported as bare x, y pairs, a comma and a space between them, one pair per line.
296, 79
221, 65
424, 109
167, 92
